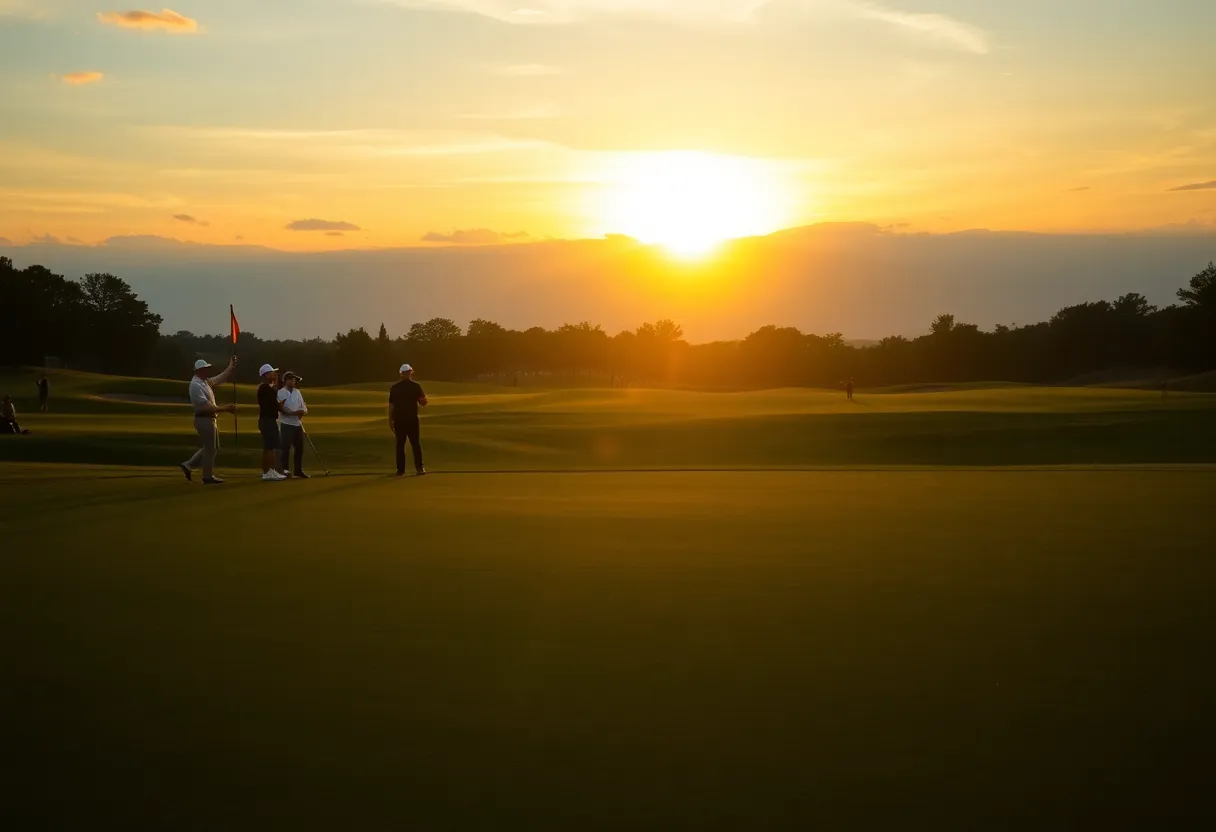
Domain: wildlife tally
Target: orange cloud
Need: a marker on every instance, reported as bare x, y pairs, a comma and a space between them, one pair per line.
78, 78
165, 19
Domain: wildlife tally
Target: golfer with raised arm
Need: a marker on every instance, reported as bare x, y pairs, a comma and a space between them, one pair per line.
202, 399
404, 399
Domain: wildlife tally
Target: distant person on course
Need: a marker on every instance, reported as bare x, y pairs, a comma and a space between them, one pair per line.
202, 399
268, 422
44, 393
848, 389
404, 399
8, 418
291, 408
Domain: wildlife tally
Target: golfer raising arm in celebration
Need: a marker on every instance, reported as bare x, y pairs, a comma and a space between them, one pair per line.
202, 399
404, 399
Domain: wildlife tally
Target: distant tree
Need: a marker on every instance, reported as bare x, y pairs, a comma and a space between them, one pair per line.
942, 325
1133, 305
357, 356
122, 330
485, 329
383, 338
434, 331
664, 331
42, 315
1203, 289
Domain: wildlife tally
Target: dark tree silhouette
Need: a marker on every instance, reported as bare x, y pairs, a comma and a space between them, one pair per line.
99, 323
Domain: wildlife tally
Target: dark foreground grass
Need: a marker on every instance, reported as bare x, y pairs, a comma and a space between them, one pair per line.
945, 649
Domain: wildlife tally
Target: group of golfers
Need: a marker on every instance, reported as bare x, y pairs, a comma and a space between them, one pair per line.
281, 409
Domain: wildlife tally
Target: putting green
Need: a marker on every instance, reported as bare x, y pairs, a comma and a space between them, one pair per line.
954, 648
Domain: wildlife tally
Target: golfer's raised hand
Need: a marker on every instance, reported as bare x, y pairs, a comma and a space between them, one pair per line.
230, 409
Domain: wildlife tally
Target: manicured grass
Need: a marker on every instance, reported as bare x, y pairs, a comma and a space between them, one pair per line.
926, 649
890, 637
482, 427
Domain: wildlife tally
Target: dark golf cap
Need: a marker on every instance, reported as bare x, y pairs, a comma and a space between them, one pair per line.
290, 374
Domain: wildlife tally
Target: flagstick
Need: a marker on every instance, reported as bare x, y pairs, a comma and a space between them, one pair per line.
236, 420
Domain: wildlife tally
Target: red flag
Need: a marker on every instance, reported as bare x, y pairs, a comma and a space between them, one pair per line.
236, 328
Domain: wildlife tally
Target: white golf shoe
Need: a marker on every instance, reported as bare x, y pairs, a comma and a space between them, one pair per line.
273, 476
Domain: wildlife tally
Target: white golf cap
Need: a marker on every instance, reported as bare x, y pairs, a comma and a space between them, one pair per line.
266, 368
201, 364
406, 368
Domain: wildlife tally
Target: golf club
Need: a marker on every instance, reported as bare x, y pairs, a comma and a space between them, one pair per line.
308, 436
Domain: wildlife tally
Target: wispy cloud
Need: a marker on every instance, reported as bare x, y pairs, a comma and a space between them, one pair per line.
166, 20
475, 237
943, 28
542, 12
189, 220
1078, 190
365, 143
81, 78
527, 70
322, 225
1198, 186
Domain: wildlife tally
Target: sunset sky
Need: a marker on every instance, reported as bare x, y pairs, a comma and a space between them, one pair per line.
318, 124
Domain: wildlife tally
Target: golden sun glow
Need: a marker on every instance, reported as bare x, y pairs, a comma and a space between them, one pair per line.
690, 202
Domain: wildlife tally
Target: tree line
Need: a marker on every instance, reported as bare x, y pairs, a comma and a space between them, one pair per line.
99, 323
95, 323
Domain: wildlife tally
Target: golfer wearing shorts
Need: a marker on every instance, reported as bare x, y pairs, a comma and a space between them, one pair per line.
268, 422
202, 399
404, 399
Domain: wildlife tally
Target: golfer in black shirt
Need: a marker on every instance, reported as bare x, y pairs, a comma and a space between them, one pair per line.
268, 422
404, 399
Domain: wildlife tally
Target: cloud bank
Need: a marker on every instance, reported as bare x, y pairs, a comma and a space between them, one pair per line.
474, 237
1198, 186
166, 20
322, 225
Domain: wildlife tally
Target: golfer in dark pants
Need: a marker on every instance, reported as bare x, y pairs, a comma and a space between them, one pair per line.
291, 408
404, 399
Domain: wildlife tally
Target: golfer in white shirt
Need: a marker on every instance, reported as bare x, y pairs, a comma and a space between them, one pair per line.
292, 409
202, 399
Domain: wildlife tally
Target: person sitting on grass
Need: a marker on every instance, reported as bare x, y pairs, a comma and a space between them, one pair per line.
8, 418
291, 408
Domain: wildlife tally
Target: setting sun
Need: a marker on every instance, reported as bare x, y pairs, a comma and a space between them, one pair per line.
690, 202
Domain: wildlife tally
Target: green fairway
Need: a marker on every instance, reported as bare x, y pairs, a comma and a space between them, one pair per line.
481, 427
543, 635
